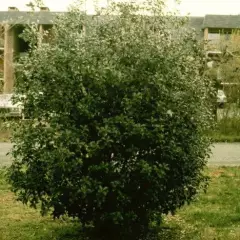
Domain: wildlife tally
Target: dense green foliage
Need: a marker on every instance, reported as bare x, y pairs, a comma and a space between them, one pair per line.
201, 220
118, 114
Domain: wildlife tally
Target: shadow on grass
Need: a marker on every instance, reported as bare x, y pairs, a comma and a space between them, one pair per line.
168, 233
72, 232
75, 233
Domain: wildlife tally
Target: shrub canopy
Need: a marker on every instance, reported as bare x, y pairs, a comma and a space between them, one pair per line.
118, 109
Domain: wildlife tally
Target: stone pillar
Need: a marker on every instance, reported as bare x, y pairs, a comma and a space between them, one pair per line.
205, 33
41, 29
205, 36
41, 26
9, 44
8, 59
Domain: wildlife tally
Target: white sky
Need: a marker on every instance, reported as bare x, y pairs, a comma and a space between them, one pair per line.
194, 7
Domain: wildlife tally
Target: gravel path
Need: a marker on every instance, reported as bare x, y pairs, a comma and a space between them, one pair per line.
4, 149
227, 154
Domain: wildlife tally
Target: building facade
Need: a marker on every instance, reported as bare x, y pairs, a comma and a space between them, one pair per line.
12, 23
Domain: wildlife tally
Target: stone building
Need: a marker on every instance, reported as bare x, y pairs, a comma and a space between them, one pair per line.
12, 23
216, 25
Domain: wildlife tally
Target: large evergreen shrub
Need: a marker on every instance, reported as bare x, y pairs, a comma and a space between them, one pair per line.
118, 114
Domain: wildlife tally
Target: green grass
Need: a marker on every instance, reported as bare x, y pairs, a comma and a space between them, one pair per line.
212, 216
19, 222
217, 136
215, 215
228, 125
227, 130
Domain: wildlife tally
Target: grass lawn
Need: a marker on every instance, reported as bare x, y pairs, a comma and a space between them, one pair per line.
217, 136
213, 216
227, 128
18, 222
